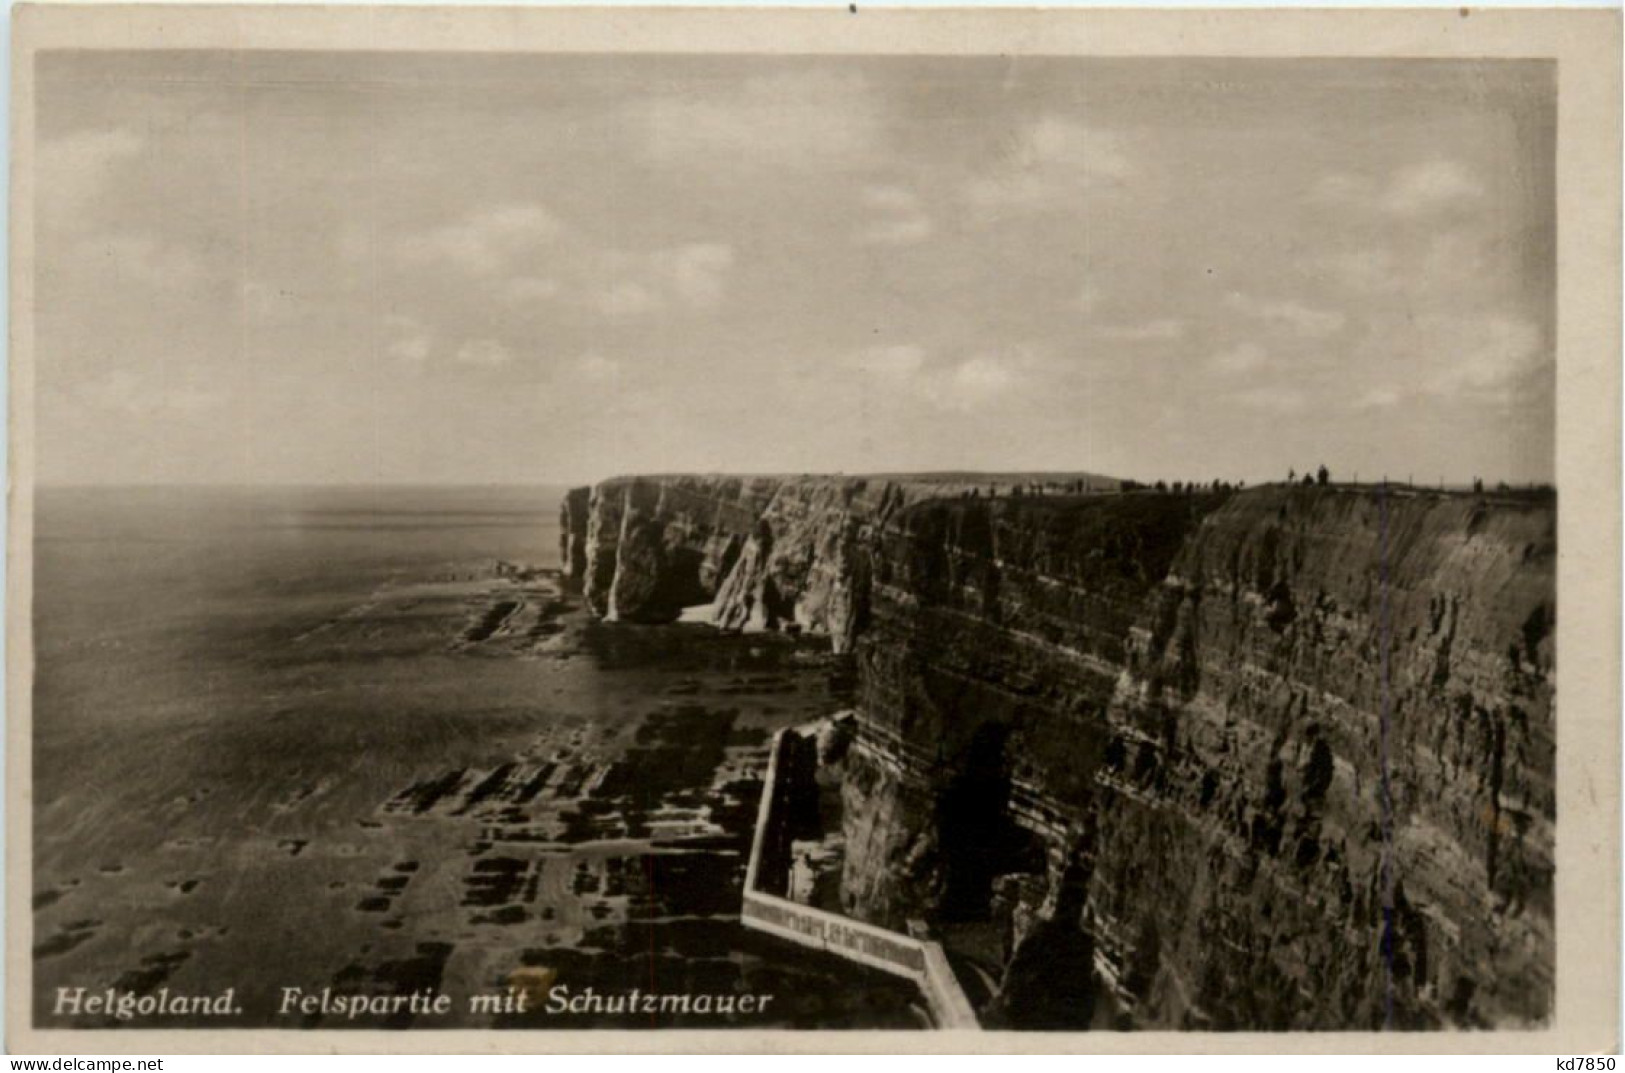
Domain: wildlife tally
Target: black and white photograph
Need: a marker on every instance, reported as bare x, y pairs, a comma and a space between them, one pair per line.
773, 540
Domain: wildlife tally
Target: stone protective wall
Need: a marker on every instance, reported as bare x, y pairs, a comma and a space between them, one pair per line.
1281, 758
786, 787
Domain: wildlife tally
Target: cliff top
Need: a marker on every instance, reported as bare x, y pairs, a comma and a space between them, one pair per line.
949, 477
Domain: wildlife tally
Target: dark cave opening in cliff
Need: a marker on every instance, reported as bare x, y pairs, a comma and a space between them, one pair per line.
682, 582
979, 840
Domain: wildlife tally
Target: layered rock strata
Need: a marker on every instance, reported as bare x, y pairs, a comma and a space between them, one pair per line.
766, 552
1277, 760
1282, 758
573, 516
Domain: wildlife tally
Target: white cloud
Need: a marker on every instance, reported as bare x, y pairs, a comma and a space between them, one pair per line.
525, 290
905, 231
149, 260
1162, 329
1371, 269
1457, 258
782, 120
978, 379
898, 361
890, 198
899, 217
409, 340
72, 170
698, 272
89, 149
1453, 358
1053, 141
1049, 161
1239, 360
693, 275
1340, 188
1477, 354
599, 369
484, 242
1378, 398
128, 392
628, 403
1413, 190
1429, 186
413, 349
483, 354
1273, 398
1445, 266
628, 299
906, 371
1290, 316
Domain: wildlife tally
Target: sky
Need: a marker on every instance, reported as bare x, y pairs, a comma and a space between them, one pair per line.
358, 268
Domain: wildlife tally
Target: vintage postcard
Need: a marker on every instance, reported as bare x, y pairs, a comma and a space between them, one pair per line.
830, 530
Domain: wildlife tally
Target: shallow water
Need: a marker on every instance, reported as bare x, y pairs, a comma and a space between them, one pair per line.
323, 739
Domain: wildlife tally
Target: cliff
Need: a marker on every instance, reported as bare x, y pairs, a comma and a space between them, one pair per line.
765, 552
1281, 758
655, 546
573, 514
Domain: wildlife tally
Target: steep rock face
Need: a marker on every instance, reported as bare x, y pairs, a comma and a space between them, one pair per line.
573, 513
1385, 667
998, 637
1278, 759
804, 565
656, 545
768, 552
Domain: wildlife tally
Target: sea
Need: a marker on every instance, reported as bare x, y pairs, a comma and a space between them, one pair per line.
365, 742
